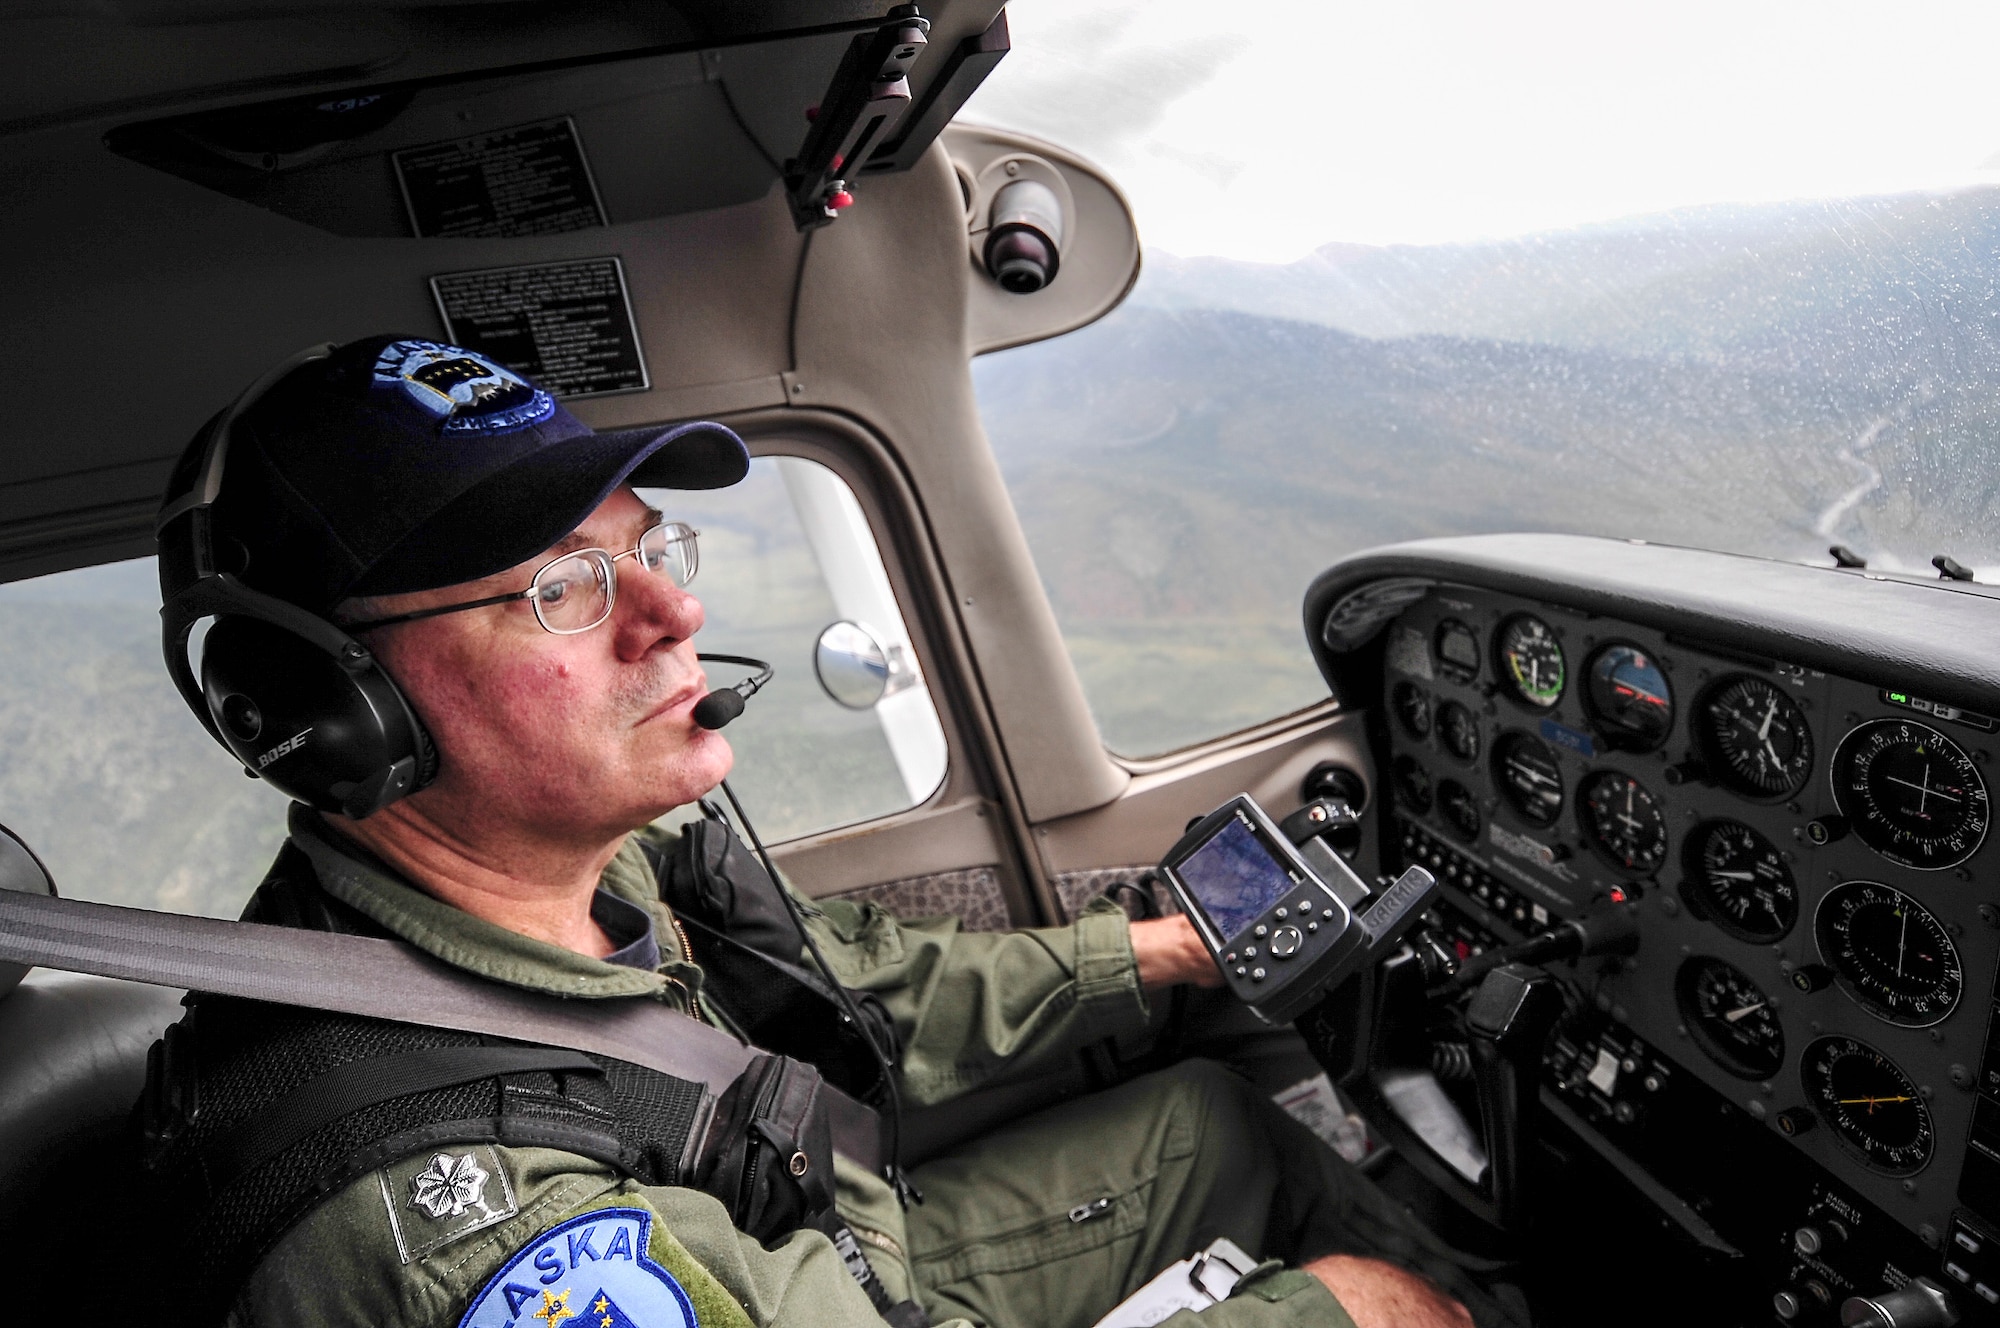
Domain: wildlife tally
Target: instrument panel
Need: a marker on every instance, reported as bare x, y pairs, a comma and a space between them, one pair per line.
1810, 855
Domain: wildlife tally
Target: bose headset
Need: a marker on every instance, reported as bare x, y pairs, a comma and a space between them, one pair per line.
297, 700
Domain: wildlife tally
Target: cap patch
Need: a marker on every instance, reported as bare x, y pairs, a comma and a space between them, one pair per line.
468, 392
590, 1272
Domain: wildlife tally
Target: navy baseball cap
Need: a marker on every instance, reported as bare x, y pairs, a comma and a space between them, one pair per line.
398, 464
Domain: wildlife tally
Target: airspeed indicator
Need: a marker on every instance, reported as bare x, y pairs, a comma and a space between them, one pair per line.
1531, 660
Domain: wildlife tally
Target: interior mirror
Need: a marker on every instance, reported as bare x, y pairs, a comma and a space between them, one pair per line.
852, 664
20, 870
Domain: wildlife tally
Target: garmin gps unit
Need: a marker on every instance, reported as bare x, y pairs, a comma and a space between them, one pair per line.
1279, 931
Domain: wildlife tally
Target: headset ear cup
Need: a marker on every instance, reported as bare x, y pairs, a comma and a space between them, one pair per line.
427, 753
338, 737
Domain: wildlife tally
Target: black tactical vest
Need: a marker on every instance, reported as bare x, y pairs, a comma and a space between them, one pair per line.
255, 1113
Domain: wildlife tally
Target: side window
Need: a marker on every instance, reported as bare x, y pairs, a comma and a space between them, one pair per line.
785, 554
106, 774
103, 770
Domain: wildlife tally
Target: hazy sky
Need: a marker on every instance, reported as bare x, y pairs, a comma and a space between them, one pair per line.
1261, 131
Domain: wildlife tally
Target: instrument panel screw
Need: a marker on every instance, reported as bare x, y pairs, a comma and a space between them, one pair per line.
1961, 1077
1929, 1235
1909, 1187
1989, 915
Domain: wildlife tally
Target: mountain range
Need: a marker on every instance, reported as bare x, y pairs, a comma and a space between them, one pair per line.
1769, 380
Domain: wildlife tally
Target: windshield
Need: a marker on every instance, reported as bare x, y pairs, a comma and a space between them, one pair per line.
1718, 275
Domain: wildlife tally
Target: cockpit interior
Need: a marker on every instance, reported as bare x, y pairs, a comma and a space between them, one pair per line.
1059, 541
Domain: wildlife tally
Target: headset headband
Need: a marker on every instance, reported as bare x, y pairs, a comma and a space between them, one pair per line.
200, 590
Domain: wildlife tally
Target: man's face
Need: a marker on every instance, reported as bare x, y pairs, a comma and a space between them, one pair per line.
579, 737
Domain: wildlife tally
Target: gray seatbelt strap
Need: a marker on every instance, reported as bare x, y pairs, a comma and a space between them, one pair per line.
382, 979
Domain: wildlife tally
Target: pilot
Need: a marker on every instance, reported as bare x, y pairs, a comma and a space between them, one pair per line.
493, 554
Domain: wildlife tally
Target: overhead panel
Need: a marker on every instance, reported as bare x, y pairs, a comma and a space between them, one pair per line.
595, 194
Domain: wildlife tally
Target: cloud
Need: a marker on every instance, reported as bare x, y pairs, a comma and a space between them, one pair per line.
1101, 79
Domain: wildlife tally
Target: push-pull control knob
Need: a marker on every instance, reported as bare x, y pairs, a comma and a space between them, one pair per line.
1918, 1303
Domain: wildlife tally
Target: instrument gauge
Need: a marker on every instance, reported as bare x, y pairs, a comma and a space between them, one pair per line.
1413, 784
1458, 731
1459, 809
1910, 793
1413, 706
1457, 650
1730, 1018
1531, 660
1870, 1103
1623, 822
1526, 770
1739, 878
1628, 695
1755, 737
1888, 952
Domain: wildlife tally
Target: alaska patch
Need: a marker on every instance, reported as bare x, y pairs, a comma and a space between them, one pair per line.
590, 1272
436, 1197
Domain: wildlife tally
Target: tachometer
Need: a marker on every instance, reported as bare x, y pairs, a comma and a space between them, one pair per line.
1623, 822
1629, 697
1739, 878
1755, 737
1459, 809
1531, 660
1457, 649
1458, 731
1413, 706
1870, 1103
1529, 777
1889, 953
1730, 1018
1910, 793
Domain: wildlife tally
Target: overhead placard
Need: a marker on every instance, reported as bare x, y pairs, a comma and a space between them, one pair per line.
528, 180
568, 325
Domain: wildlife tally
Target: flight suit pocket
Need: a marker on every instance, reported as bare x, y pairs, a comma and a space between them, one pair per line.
1089, 1224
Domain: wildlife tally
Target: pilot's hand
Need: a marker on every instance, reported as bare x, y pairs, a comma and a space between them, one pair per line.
1169, 953
1380, 1295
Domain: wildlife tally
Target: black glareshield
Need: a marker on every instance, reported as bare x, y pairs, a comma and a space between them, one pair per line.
1282, 934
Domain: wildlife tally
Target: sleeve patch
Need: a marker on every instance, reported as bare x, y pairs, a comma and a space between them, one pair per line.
435, 1198
590, 1272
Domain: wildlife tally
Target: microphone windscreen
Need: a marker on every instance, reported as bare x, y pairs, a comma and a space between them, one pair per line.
718, 708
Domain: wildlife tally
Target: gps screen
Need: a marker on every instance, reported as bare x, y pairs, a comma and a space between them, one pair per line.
1235, 878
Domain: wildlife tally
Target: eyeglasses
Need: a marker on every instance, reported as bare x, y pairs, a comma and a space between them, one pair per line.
575, 592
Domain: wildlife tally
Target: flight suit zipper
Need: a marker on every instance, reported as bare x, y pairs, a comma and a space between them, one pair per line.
687, 953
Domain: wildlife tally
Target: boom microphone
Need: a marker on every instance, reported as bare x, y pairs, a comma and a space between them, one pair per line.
725, 704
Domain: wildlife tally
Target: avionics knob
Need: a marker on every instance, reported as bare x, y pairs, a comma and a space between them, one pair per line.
1919, 1303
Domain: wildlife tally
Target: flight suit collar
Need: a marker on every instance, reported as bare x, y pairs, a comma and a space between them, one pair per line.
487, 949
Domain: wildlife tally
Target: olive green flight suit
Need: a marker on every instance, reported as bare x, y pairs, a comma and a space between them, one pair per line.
1047, 1222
